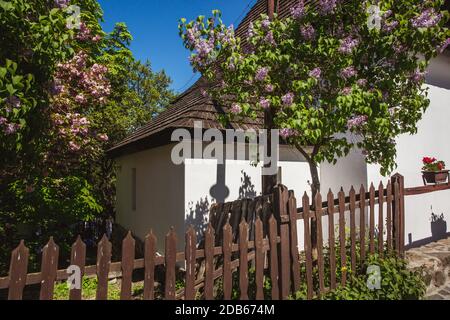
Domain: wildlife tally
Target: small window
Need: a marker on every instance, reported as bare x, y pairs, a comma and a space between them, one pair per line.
133, 189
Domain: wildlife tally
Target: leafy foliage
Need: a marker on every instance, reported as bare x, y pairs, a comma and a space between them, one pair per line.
324, 72
397, 283
67, 94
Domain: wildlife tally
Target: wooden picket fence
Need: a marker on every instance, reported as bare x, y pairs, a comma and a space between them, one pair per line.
263, 236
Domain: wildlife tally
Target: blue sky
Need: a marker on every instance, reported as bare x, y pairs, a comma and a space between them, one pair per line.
154, 26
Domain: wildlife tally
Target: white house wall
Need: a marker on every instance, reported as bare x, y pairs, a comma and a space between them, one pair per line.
432, 140
159, 197
242, 180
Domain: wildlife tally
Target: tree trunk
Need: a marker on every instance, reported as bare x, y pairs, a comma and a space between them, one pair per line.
315, 189
268, 181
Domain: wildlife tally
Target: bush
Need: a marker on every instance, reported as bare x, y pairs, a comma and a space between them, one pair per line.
397, 283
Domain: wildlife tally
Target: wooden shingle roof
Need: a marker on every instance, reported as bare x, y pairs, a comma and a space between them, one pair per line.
191, 106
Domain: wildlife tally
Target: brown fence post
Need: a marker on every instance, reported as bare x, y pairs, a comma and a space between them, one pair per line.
389, 203
128, 245
149, 265
398, 182
320, 260
209, 263
331, 239
49, 269
281, 196
170, 260
78, 258
274, 276
259, 259
227, 272
295, 265
243, 259
103, 264
308, 247
190, 251
18, 271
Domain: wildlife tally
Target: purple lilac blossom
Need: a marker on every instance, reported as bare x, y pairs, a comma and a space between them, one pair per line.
315, 73
265, 23
61, 3
428, 18
287, 133
269, 88
399, 48
348, 72
11, 128
346, 91
251, 30
387, 14
262, 73
327, 6
308, 31
264, 103
298, 10
288, 99
348, 44
361, 82
444, 45
388, 27
14, 102
356, 121
236, 108
269, 39
3, 120
418, 76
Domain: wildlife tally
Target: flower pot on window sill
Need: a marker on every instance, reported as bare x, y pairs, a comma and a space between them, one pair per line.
435, 177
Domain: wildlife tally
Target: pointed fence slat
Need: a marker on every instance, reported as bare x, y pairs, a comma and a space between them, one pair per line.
128, 245
78, 258
396, 220
295, 259
149, 265
400, 213
275, 216
281, 198
308, 247
243, 260
342, 242
380, 219
235, 219
209, 263
362, 223
353, 228
190, 250
320, 260
18, 271
49, 268
103, 263
372, 219
170, 261
389, 217
259, 259
273, 243
331, 239
227, 273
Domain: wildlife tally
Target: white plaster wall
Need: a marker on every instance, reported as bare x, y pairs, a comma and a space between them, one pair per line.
160, 194
201, 176
432, 139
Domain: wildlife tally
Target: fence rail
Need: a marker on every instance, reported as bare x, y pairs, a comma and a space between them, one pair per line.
260, 234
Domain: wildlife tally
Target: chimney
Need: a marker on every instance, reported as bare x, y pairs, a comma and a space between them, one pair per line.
271, 8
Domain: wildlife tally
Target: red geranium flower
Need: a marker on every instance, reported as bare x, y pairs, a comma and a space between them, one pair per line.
428, 160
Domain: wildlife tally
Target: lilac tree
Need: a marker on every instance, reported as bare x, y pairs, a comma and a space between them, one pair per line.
345, 75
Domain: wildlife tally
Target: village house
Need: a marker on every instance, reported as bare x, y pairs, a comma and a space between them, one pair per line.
155, 193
